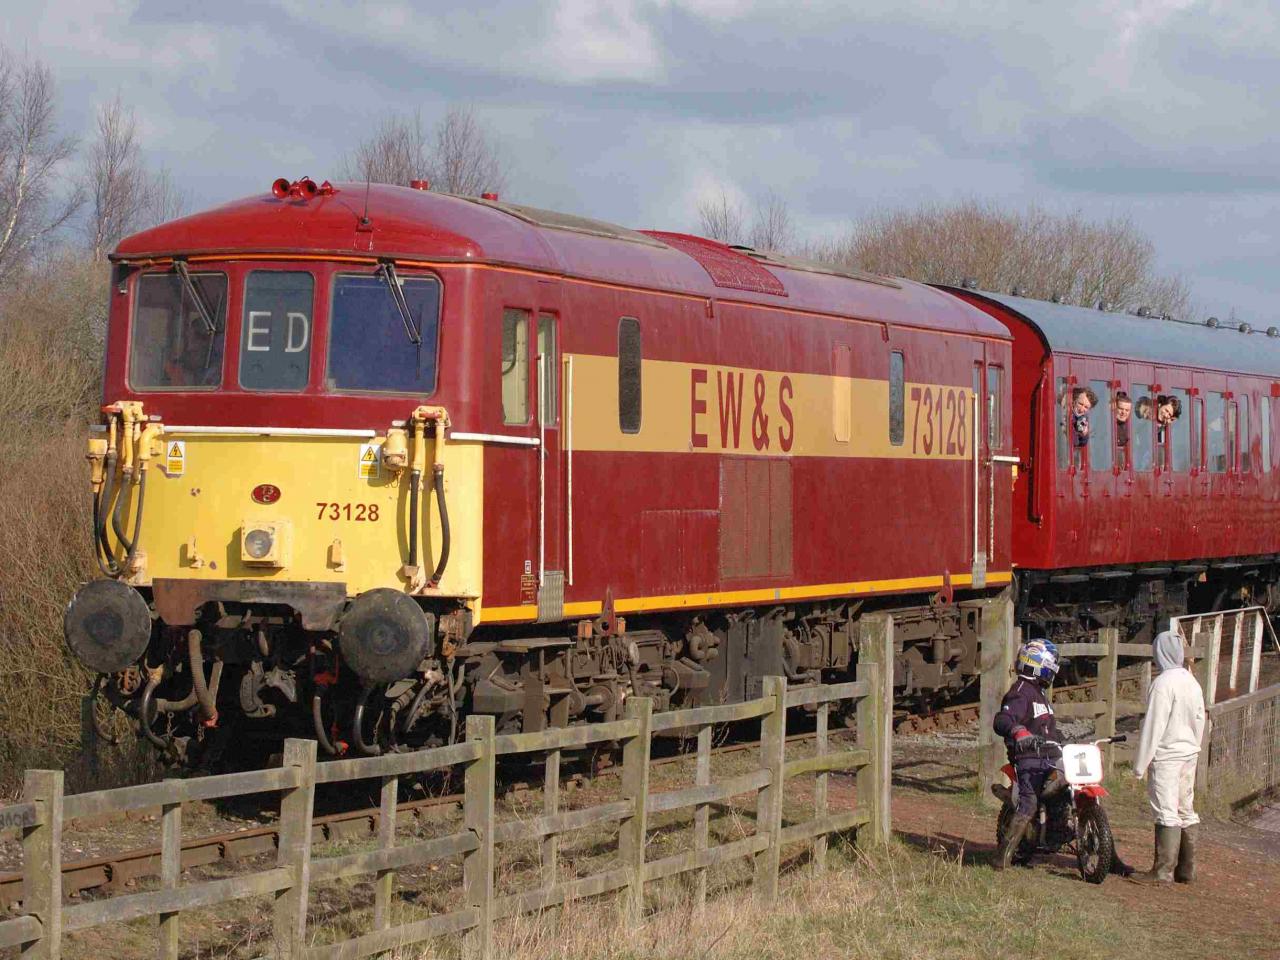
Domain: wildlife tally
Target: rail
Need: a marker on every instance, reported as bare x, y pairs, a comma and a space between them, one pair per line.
39, 817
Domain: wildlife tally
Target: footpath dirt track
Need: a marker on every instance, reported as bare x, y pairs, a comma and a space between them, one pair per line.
1234, 902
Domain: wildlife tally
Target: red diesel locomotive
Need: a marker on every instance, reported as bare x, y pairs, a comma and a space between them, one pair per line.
374, 458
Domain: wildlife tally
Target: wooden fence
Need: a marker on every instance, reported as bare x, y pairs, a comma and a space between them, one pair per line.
41, 814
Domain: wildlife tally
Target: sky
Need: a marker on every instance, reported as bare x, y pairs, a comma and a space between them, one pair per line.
1163, 111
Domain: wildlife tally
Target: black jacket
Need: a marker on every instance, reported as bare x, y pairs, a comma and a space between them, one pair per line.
1025, 708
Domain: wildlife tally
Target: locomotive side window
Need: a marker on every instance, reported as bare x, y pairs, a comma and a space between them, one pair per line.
1101, 418
1180, 432
1265, 410
629, 375
548, 371
1142, 433
896, 418
1215, 415
994, 377
171, 345
371, 347
1246, 455
275, 334
515, 366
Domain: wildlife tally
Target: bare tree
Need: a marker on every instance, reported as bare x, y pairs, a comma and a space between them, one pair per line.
721, 219
30, 153
772, 228
396, 153
1037, 253
467, 161
117, 184
459, 155
168, 201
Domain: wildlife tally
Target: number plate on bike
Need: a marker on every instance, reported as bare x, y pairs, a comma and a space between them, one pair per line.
1083, 763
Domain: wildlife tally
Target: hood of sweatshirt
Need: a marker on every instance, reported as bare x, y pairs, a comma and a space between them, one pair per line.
1167, 650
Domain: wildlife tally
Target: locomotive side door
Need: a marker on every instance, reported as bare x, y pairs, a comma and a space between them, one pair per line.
550, 421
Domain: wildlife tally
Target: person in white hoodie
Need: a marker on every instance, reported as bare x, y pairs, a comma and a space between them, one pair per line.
1168, 746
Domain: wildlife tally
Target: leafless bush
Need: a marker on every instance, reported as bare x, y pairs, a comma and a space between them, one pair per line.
31, 151
459, 155
1041, 254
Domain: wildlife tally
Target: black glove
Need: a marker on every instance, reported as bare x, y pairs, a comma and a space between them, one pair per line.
1030, 746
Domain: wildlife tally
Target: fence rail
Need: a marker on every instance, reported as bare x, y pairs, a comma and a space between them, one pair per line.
40, 816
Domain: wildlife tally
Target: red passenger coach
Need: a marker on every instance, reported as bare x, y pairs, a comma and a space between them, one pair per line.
377, 458
1150, 515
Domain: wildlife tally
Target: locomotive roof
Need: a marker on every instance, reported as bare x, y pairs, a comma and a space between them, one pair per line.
413, 224
1080, 330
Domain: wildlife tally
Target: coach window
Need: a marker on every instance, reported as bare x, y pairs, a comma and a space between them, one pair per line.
515, 366
1065, 452
1246, 438
1215, 416
1142, 433
629, 375
548, 371
896, 418
1180, 432
1197, 433
1101, 421
173, 345
1265, 425
275, 334
994, 428
372, 346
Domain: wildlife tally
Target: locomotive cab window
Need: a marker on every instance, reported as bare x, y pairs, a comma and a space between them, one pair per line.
177, 342
373, 345
275, 332
515, 366
548, 371
896, 418
629, 375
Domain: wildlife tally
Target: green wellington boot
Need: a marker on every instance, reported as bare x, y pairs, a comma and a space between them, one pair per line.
1185, 871
1168, 842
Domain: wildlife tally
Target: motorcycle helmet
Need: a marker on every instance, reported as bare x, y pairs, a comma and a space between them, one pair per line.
1038, 660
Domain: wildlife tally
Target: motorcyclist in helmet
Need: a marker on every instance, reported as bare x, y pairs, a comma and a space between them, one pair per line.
1026, 722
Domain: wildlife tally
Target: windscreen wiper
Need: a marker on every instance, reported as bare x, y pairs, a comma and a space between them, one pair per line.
387, 270
206, 316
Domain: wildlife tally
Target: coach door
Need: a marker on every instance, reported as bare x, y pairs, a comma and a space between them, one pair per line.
552, 480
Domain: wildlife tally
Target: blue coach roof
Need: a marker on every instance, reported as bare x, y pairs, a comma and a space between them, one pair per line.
1080, 330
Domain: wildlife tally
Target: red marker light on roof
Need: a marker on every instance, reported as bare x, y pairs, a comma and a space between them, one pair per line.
280, 188
420, 184
489, 196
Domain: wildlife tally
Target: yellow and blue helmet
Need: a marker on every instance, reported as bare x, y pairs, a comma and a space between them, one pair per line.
1038, 659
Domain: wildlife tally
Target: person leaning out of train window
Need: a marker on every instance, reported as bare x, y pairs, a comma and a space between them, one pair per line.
1123, 407
1168, 748
1082, 401
1168, 409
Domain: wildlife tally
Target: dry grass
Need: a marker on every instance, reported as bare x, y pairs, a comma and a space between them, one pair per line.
49, 361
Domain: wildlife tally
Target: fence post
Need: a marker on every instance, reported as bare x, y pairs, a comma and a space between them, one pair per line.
773, 742
477, 811
294, 850
170, 873
1208, 677
385, 885
875, 720
42, 863
635, 789
997, 643
1255, 659
1108, 667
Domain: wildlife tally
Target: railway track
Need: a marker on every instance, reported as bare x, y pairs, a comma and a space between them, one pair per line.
118, 871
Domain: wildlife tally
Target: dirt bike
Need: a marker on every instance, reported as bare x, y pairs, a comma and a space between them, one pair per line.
1091, 842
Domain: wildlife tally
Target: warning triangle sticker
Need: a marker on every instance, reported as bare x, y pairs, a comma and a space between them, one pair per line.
368, 455
175, 450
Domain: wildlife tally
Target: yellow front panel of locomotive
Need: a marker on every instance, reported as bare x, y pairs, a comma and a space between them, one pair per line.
338, 513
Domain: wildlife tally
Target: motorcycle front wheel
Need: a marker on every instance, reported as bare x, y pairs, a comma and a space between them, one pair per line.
1095, 847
